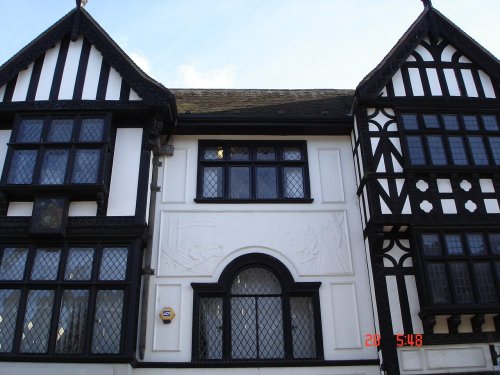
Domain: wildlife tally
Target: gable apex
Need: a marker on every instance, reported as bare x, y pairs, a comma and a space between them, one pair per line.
434, 25
77, 35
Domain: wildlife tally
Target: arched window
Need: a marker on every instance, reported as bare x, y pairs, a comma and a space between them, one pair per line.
256, 312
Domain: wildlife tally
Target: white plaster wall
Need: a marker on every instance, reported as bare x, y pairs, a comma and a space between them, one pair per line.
441, 359
77, 208
125, 172
20, 209
319, 241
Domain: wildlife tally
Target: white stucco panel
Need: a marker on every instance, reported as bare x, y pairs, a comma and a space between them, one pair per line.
167, 337
194, 243
125, 174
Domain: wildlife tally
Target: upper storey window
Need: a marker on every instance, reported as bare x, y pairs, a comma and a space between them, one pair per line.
461, 268
253, 172
452, 139
57, 151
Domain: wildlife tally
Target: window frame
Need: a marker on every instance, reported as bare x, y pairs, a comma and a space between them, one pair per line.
85, 190
252, 163
290, 289
422, 260
464, 134
61, 284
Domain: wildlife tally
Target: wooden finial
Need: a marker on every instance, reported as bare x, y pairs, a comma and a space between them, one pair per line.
81, 3
427, 3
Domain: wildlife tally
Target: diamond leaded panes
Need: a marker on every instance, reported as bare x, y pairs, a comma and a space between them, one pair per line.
54, 167
72, 317
106, 336
303, 338
9, 304
56, 151
13, 263
46, 264
256, 319
452, 139
29, 131
294, 182
60, 130
256, 280
92, 130
253, 171
86, 166
464, 273
210, 328
113, 263
79, 263
37, 318
22, 166
51, 307
212, 182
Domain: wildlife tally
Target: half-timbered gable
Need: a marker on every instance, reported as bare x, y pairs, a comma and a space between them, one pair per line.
426, 144
78, 125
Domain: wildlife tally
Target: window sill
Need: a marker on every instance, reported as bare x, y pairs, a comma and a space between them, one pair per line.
254, 201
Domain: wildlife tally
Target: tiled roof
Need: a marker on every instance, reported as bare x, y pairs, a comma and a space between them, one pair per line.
264, 103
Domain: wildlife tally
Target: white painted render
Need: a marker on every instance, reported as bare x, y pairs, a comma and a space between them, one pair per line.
22, 84
20, 209
71, 65
82, 208
92, 74
70, 69
47, 74
114, 85
440, 359
125, 172
319, 241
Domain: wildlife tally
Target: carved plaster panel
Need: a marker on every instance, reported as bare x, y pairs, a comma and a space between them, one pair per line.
316, 243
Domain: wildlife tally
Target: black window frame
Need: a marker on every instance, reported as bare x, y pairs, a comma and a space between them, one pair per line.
225, 163
454, 306
464, 134
289, 289
93, 285
81, 191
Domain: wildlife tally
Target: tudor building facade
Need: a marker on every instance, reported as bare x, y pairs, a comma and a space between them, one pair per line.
279, 231
79, 122
425, 143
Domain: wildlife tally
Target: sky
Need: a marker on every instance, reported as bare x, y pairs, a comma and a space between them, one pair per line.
280, 44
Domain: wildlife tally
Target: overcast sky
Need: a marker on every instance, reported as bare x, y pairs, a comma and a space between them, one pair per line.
251, 43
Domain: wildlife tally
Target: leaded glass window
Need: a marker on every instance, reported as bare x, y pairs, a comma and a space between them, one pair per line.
252, 171
465, 271
64, 301
261, 318
56, 151
451, 139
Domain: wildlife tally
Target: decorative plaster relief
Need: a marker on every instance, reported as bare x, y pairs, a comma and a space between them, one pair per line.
194, 243
426, 206
422, 186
